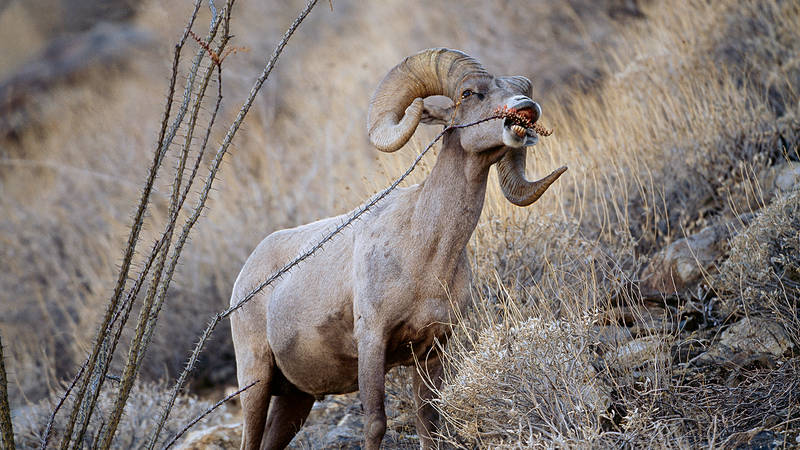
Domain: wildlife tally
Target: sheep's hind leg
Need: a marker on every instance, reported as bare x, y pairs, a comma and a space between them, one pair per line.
286, 416
256, 399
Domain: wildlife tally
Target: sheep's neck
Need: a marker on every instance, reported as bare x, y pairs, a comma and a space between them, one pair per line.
449, 205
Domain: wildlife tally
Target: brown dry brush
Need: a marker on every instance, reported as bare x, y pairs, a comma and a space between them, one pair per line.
729, 412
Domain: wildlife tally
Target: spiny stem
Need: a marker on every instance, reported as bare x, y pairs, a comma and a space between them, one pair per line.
6, 427
205, 413
130, 248
221, 151
146, 319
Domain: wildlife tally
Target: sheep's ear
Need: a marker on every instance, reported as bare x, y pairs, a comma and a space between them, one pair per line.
436, 112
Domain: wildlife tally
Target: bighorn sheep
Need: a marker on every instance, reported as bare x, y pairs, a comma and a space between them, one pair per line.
388, 284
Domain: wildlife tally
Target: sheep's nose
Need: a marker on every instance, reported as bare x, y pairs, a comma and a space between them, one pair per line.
520, 102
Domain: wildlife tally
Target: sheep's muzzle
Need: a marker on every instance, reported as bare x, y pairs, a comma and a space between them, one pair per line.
519, 125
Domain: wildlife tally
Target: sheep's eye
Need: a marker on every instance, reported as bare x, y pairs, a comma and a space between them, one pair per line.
466, 93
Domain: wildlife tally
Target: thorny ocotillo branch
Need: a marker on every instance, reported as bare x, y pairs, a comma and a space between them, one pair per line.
6, 427
204, 195
100, 356
157, 288
174, 260
60, 403
105, 327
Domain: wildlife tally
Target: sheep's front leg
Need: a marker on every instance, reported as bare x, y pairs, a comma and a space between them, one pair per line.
426, 380
371, 385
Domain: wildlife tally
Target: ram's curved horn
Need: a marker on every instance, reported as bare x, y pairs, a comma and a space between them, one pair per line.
396, 106
517, 189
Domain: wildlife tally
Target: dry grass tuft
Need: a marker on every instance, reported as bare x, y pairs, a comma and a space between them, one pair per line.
522, 383
762, 275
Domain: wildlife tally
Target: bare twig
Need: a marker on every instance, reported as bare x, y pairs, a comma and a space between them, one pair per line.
217, 56
61, 401
174, 261
212, 8
6, 427
179, 200
205, 413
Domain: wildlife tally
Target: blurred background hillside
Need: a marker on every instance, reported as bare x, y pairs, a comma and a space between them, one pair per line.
672, 117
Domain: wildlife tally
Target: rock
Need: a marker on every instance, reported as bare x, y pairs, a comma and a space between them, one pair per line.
784, 178
756, 439
220, 437
683, 263
610, 336
756, 335
347, 433
745, 339
637, 353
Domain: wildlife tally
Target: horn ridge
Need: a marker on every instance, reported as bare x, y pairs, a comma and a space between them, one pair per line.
396, 106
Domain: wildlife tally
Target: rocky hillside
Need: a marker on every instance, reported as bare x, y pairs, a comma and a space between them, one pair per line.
650, 300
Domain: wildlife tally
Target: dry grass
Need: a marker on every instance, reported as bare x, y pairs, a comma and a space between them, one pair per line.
522, 382
762, 275
680, 134
134, 428
668, 124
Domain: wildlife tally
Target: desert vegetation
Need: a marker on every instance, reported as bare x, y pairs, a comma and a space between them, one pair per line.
650, 299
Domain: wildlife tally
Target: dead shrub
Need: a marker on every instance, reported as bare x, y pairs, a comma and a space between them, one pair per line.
762, 274
523, 384
140, 415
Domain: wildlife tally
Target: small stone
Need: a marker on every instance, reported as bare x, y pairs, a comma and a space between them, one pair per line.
220, 437
756, 335
682, 264
787, 177
749, 337
638, 352
610, 336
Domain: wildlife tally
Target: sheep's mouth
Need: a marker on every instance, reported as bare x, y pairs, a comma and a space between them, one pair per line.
520, 121
519, 125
